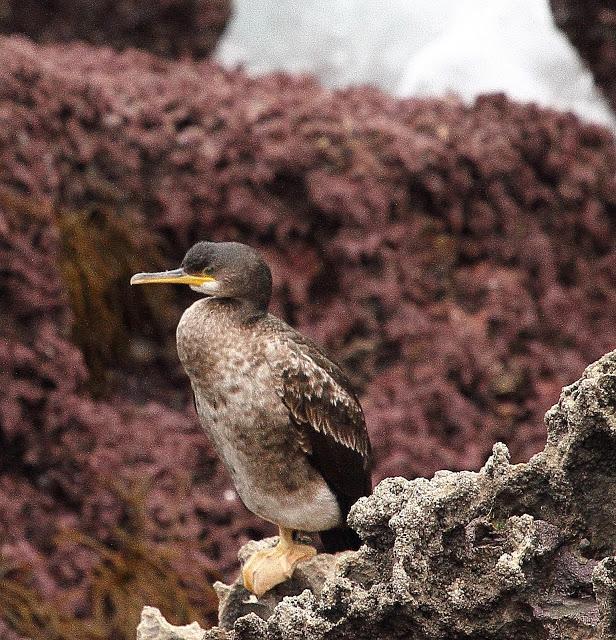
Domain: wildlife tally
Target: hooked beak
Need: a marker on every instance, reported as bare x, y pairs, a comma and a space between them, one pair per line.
174, 276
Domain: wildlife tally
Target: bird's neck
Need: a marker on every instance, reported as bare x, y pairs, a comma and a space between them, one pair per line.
240, 310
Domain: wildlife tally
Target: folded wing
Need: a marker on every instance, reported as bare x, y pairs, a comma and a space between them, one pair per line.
326, 413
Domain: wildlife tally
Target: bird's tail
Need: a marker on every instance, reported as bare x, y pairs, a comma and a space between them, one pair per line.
340, 539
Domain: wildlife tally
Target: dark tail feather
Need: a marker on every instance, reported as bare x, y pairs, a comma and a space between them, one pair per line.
340, 539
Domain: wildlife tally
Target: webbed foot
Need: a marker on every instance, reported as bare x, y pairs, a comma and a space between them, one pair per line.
267, 568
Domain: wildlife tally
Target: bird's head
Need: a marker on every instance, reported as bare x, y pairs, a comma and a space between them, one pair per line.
221, 270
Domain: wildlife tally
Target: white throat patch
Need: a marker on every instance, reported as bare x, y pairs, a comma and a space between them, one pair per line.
208, 288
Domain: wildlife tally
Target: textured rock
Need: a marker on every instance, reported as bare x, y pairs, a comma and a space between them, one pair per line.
511, 551
154, 627
235, 601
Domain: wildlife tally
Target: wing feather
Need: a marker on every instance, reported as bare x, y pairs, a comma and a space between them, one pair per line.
325, 411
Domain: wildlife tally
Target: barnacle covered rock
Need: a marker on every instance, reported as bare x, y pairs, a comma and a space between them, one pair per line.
511, 551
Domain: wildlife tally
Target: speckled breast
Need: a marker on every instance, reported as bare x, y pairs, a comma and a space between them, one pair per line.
247, 422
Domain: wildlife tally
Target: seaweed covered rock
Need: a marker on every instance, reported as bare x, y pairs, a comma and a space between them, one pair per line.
173, 28
458, 261
90, 498
524, 551
591, 27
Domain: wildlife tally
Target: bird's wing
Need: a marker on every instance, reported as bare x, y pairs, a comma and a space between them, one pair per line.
329, 420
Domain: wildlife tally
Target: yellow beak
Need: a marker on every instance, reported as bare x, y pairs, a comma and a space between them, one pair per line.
174, 276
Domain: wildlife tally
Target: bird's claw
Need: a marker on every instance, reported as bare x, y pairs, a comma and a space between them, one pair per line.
267, 568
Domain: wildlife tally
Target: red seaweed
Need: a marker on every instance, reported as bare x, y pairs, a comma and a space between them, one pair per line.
458, 261
172, 28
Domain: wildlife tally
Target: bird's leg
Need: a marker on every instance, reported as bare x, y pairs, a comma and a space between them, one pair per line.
269, 567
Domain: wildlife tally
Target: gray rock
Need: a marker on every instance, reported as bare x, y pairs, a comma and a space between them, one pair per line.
154, 627
236, 601
513, 551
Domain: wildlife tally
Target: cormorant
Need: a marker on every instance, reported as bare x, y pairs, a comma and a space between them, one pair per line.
282, 415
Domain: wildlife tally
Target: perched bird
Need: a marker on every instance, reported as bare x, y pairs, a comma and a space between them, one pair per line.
282, 416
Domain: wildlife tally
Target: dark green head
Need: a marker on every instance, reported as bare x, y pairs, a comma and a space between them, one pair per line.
228, 270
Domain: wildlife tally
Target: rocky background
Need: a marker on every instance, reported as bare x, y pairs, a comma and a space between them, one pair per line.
458, 262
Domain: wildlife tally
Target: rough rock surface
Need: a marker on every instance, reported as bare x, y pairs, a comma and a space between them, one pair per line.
235, 601
153, 625
512, 551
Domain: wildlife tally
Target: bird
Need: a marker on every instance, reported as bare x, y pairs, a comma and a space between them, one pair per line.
281, 414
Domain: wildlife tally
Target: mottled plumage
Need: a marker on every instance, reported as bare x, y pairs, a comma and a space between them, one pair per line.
282, 416
279, 413
329, 420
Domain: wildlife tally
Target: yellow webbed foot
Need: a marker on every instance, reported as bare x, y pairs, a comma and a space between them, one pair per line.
267, 568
